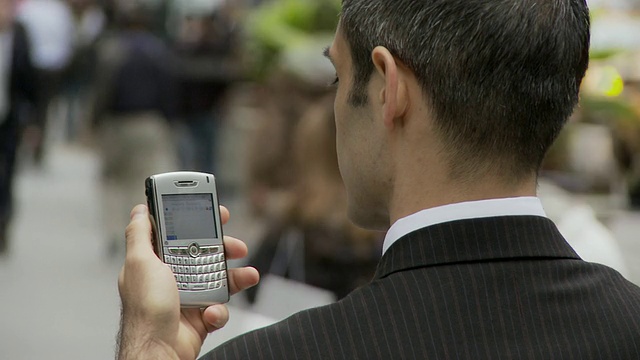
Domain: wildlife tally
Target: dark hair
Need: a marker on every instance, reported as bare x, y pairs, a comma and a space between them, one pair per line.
501, 76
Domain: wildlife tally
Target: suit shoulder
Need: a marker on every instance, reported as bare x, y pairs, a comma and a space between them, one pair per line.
315, 333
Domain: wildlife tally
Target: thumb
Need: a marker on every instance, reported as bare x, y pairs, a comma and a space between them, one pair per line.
138, 232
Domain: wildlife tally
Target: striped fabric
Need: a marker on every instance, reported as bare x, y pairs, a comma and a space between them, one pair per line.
494, 288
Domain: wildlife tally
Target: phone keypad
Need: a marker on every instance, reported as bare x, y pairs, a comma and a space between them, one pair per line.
205, 272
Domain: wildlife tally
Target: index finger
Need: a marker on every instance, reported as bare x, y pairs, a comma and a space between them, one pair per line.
234, 248
224, 214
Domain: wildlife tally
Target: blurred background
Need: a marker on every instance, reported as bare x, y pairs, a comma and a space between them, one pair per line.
95, 95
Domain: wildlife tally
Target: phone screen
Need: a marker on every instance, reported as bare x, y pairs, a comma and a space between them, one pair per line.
189, 216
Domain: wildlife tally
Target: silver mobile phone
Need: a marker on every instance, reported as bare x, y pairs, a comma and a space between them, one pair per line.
187, 234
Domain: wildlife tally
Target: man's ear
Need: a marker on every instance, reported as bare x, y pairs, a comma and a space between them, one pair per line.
393, 95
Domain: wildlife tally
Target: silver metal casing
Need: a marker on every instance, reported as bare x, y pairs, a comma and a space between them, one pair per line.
193, 293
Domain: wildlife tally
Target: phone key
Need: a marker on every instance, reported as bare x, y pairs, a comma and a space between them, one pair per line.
221, 257
223, 266
223, 275
212, 285
200, 286
200, 278
197, 287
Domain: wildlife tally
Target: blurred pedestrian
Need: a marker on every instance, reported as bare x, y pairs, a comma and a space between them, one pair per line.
89, 24
134, 104
49, 24
314, 241
205, 45
17, 91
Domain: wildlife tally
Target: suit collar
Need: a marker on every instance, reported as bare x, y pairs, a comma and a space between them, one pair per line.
475, 240
516, 206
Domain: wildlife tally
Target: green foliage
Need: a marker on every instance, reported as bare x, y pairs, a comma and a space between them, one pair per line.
282, 24
600, 109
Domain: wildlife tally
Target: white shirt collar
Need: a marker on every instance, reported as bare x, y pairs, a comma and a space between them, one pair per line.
461, 211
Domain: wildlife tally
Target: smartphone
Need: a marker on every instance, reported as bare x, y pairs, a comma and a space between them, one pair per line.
187, 234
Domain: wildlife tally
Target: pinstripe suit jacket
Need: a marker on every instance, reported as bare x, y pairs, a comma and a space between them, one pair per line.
494, 288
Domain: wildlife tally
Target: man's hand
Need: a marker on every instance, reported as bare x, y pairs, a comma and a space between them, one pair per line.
153, 326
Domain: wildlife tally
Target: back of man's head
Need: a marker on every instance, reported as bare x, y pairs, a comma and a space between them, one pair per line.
501, 77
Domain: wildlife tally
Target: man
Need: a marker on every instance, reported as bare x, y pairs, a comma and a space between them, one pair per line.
444, 111
17, 90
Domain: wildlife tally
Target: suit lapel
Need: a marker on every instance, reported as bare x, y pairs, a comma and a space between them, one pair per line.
476, 240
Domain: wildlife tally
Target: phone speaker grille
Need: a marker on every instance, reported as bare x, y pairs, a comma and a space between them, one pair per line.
183, 184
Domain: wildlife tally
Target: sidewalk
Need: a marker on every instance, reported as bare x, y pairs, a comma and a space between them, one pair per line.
59, 297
